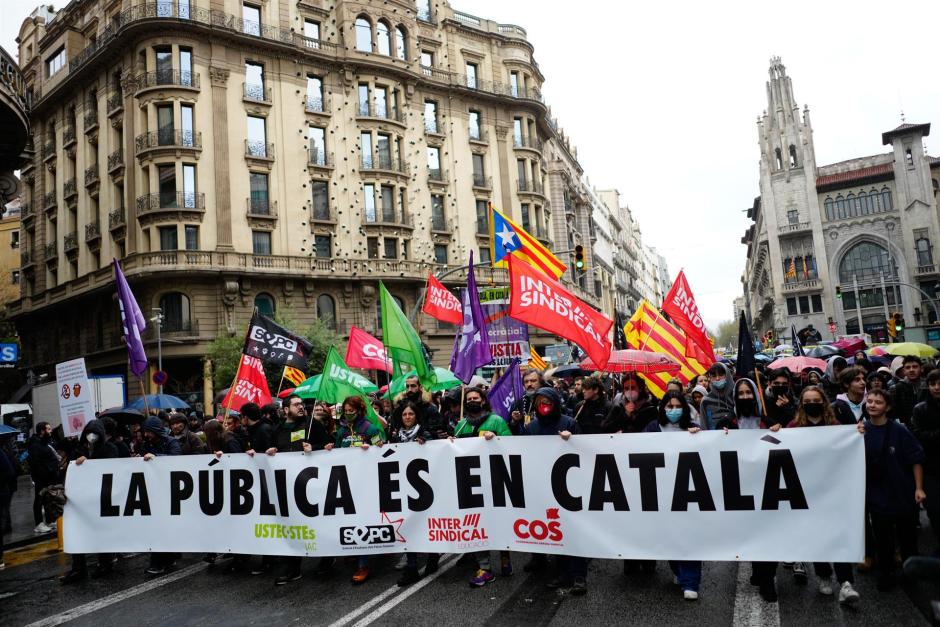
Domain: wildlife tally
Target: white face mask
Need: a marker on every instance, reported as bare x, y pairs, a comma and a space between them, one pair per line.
92, 438
631, 395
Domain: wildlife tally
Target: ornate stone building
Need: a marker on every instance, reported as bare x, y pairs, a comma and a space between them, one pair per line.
862, 229
280, 154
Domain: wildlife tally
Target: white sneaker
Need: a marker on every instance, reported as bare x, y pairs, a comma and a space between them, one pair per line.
402, 562
690, 595
847, 594
42, 528
2, 565
825, 587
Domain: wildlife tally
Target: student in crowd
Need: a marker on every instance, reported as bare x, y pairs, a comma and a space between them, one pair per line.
925, 424
849, 405
780, 400
909, 390
636, 409
718, 404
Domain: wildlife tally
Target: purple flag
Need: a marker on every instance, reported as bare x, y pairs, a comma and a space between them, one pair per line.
133, 321
507, 390
473, 348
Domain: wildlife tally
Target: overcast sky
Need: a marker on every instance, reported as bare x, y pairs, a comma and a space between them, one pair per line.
661, 99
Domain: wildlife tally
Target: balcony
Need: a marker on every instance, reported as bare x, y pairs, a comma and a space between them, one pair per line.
70, 190
170, 206
256, 94
49, 203
372, 111
437, 176
794, 227
432, 127
162, 79
259, 151
91, 120
117, 219
116, 163
48, 151
527, 143
317, 158
91, 177
482, 182
317, 105
443, 76
26, 259
387, 218
530, 187
384, 163
800, 286
309, 43
71, 244
68, 136
51, 252
261, 209
93, 234
172, 140
922, 270
115, 103
479, 136
441, 225
27, 211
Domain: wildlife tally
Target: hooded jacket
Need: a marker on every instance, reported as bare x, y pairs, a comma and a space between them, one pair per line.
428, 414
591, 414
103, 448
829, 382
925, 425
43, 461
718, 404
843, 410
190, 443
618, 420
745, 422
164, 445
553, 423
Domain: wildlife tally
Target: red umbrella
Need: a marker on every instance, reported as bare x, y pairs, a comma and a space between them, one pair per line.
644, 362
849, 345
285, 393
798, 364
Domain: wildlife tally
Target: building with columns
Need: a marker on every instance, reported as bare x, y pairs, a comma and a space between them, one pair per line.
849, 242
282, 155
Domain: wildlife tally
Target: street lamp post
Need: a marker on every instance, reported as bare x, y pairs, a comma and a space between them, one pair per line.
158, 320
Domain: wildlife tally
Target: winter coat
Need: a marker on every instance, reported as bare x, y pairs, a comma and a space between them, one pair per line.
553, 423
103, 448
164, 445
190, 443
755, 421
844, 413
360, 432
618, 420
7, 477
592, 414
261, 436
401, 435
891, 451
829, 383
317, 435
906, 396
43, 461
925, 425
290, 437
428, 414
493, 422
718, 404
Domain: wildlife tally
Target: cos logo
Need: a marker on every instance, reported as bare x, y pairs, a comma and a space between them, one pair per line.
538, 529
371, 350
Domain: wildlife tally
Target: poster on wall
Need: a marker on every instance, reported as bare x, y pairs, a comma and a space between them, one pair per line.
509, 338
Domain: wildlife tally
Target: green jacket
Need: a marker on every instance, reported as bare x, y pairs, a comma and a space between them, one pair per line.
493, 423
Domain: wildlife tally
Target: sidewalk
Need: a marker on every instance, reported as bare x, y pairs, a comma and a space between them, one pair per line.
21, 513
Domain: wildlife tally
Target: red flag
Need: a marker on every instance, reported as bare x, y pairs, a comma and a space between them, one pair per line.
541, 301
366, 352
251, 386
680, 306
441, 304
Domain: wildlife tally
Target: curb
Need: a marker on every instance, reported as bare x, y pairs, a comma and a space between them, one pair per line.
23, 542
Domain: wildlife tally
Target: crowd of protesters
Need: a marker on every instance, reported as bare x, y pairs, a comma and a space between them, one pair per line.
897, 409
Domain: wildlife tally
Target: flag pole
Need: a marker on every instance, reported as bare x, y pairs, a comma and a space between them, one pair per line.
144, 392
281, 382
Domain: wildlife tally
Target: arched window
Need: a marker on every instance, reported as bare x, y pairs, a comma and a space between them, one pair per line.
875, 200
176, 313
850, 206
326, 310
793, 161
830, 209
924, 251
863, 203
779, 158
840, 207
363, 34
866, 261
886, 204
401, 43
264, 303
383, 39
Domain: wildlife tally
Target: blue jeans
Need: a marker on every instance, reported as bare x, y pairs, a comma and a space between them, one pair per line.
688, 573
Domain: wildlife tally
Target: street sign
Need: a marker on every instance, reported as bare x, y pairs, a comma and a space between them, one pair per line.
160, 377
9, 353
832, 328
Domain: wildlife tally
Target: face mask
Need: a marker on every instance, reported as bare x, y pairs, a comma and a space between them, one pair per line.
719, 384
814, 410
544, 409
350, 417
92, 438
474, 407
674, 414
745, 406
779, 389
631, 395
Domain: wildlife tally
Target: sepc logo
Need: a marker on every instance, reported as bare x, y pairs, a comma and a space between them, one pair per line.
536, 531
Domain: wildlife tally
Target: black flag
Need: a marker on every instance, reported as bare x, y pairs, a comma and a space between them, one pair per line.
272, 343
620, 340
797, 347
746, 361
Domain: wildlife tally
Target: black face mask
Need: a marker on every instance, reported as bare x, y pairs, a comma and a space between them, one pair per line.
814, 410
779, 390
473, 407
745, 406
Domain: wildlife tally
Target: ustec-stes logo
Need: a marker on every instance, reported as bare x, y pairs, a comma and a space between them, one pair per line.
372, 535
540, 531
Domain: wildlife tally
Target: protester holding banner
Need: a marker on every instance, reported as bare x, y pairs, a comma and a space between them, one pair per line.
429, 416
233, 425
925, 424
522, 410
894, 486
636, 409
219, 440
260, 432
189, 442
158, 443
781, 401
849, 406
354, 429
594, 408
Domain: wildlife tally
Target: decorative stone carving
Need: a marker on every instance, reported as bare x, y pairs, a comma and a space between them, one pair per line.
309, 292
244, 289
229, 294
367, 296
9, 186
218, 76
288, 290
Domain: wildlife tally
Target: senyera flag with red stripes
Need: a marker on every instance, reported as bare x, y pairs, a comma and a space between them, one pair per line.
541, 301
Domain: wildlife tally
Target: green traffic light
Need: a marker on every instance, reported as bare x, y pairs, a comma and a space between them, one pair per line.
579, 265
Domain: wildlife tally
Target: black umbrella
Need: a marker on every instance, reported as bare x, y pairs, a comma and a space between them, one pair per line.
567, 370
824, 351
123, 415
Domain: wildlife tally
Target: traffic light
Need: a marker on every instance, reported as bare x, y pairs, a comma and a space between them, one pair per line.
579, 257
899, 322
838, 291
891, 326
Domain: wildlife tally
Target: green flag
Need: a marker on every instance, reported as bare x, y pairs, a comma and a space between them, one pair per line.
400, 338
338, 382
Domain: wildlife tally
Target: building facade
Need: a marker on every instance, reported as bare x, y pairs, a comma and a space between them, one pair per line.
277, 155
850, 243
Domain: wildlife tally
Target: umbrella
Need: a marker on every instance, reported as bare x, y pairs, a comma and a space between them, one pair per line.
311, 387
444, 379
567, 370
763, 357
849, 345
629, 360
911, 348
798, 364
159, 401
123, 415
878, 351
5, 430
822, 352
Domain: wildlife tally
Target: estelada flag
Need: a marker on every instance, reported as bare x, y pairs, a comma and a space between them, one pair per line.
251, 386
366, 352
440, 303
649, 330
680, 306
541, 301
294, 375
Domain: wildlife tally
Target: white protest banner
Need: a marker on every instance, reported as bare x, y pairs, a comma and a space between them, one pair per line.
796, 495
76, 405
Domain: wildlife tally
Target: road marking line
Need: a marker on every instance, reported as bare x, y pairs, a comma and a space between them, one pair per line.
378, 612
117, 597
750, 610
403, 594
